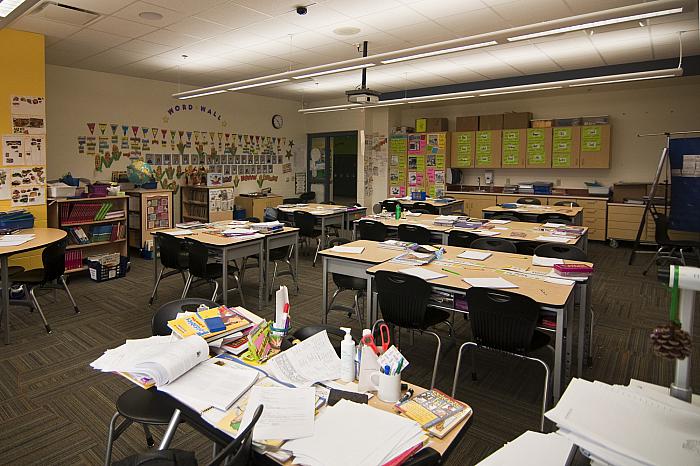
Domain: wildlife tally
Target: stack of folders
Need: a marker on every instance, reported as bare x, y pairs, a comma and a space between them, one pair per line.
356, 434
630, 425
267, 227
396, 244
533, 449
446, 220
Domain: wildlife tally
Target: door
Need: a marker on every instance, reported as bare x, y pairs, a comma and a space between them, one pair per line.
332, 166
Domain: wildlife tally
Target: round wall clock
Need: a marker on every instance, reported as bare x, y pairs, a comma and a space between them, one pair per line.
277, 121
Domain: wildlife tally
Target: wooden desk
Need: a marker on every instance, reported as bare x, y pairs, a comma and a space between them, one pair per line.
443, 207
438, 232
44, 237
558, 298
531, 212
354, 265
325, 214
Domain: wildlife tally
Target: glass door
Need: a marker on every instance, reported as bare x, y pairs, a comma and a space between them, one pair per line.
317, 173
325, 152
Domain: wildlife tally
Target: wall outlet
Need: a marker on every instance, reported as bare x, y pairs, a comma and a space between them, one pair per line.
507, 180
558, 181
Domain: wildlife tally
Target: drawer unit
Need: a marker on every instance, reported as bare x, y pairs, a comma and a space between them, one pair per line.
506, 198
474, 203
594, 214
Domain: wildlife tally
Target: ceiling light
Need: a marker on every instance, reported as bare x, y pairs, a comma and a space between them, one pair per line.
595, 24
440, 52
266, 83
441, 98
202, 94
520, 90
337, 70
326, 111
8, 6
150, 15
346, 31
623, 80
387, 103
328, 108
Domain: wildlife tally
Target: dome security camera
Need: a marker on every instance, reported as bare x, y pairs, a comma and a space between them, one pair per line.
302, 10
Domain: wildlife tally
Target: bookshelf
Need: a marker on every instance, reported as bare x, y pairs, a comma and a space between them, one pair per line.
96, 225
149, 210
206, 203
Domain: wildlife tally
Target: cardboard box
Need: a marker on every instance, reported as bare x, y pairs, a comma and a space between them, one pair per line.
623, 191
517, 120
467, 123
421, 124
490, 122
431, 125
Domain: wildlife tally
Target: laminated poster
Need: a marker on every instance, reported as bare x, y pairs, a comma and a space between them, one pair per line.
27, 176
535, 147
440, 161
27, 105
398, 145
4, 184
591, 139
430, 172
28, 195
561, 147
511, 147
483, 147
420, 163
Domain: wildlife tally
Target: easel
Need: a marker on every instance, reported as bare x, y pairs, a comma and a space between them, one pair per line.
664, 163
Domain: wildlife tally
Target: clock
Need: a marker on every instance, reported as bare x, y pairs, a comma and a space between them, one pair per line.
277, 121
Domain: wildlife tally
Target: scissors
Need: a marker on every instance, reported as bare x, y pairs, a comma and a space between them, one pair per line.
384, 334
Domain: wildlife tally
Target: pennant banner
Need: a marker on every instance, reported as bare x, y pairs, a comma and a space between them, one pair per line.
91, 127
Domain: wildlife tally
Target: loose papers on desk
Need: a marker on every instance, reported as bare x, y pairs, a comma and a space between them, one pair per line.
420, 272
475, 255
15, 240
554, 239
313, 360
353, 434
626, 426
496, 282
178, 232
156, 360
288, 413
348, 249
546, 261
532, 449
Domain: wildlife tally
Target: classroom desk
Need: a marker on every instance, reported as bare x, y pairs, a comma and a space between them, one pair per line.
531, 212
438, 232
443, 446
558, 298
44, 237
354, 265
325, 214
444, 207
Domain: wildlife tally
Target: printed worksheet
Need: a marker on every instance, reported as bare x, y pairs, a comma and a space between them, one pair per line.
12, 150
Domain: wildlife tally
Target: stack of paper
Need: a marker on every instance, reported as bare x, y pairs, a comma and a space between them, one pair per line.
546, 261
352, 434
348, 249
628, 425
425, 274
533, 449
178, 232
475, 255
14, 240
447, 220
288, 413
313, 360
495, 282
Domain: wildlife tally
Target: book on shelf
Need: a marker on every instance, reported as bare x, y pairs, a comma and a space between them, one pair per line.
80, 212
435, 411
73, 259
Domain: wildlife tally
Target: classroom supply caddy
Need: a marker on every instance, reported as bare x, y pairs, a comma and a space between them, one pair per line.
15, 220
107, 267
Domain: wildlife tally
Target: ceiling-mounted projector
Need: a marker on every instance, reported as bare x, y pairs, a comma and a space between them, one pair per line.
363, 96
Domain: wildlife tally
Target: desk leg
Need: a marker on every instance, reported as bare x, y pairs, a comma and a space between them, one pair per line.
558, 350
268, 287
261, 282
324, 277
296, 259
370, 303
354, 231
5, 297
224, 278
170, 432
155, 259
582, 314
323, 233
568, 318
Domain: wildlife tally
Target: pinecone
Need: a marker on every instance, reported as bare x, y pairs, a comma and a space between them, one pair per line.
670, 342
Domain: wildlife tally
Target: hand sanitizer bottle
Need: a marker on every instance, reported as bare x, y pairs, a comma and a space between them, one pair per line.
347, 357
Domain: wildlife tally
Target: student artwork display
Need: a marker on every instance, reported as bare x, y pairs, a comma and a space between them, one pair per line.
4, 185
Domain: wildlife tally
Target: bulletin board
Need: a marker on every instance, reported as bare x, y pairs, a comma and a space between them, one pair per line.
684, 155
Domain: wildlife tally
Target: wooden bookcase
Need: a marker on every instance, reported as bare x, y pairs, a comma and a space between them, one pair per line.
74, 215
149, 210
255, 206
206, 203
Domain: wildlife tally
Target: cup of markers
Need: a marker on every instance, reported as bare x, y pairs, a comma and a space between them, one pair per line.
388, 379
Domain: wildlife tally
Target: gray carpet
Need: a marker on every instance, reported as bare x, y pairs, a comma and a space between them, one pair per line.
54, 409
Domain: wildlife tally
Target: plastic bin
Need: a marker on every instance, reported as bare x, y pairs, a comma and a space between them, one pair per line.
101, 273
16, 220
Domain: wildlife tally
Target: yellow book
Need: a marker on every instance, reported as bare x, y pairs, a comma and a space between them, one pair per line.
187, 326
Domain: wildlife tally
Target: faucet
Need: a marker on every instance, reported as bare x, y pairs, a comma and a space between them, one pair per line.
478, 180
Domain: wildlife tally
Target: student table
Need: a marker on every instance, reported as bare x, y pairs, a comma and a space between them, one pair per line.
444, 207
531, 212
438, 232
44, 237
354, 265
558, 298
326, 215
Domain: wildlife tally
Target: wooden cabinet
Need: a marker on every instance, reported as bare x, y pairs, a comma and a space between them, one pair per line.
474, 203
462, 149
255, 206
624, 219
595, 146
514, 148
94, 226
206, 203
566, 146
539, 148
488, 149
594, 214
508, 198
149, 210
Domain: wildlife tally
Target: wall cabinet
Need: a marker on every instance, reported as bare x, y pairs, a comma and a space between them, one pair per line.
595, 146
488, 149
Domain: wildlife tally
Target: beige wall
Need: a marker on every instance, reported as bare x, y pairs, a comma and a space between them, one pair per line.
76, 97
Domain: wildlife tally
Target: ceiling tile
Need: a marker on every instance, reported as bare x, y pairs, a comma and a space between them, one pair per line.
121, 27
429, 9
210, 47
41, 26
336, 51
423, 33
200, 28
273, 29
318, 16
188, 7
310, 39
485, 64
240, 38
353, 39
106, 7
233, 16
149, 48
132, 11
110, 59
393, 19
357, 8
572, 53
578, 7
270, 7
526, 58
532, 11
68, 51
165, 37
244, 56
99, 38
473, 22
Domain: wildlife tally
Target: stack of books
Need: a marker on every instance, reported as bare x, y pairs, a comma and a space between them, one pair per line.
435, 411
446, 220
211, 324
398, 245
77, 235
267, 227
73, 259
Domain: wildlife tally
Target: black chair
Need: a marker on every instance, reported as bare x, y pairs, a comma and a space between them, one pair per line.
494, 244
306, 222
526, 248
567, 203
511, 217
528, 201
461, 238
252, 219
335, 335
270, 214
149, 407
414, 233
371, 230
52, 270
403, 300
419, 211
554, 218
561, 251
173, 256
669, 247
347, 283
307, 197
236, 453
292, 200
208, 272
505, 322
429, 208
390, 205
284, 255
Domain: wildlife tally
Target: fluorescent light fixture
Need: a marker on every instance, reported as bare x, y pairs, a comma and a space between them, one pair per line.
420, 101
325, 111
8, 6
265, 83
329, 108
388, 103
624, 80
202, 94
336, 70
440, 52
520, 90
595, 24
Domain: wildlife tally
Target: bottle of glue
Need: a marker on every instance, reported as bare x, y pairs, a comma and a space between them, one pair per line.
347, 357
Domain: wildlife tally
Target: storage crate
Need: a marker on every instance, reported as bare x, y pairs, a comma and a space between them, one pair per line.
101, 273
16, 220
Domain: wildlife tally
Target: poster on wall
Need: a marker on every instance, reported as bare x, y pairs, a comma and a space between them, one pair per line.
12, 150
4, 185
27, 105
27, 176
28, 195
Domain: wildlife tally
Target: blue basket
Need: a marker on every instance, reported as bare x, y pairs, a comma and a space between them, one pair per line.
16, 220
418, 196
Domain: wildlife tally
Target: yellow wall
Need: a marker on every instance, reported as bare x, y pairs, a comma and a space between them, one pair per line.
22, 56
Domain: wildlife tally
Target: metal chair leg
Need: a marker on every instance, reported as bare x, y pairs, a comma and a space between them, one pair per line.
38, 308
149, 438
216, 290
155, 288
459, 363
240, 288
437, 357
188, 283
318, 247
272, 281
114, 433
546, 388
653, 261
70, 296
330, 305
358, 314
